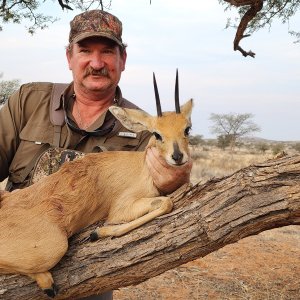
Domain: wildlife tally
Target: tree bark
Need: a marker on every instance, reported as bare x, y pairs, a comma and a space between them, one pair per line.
205, 218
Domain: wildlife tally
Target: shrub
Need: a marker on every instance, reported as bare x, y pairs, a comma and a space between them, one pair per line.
195, 140
277, 148
224, 141
262, 147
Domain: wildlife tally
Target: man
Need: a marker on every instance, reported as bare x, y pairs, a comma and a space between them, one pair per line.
96, 56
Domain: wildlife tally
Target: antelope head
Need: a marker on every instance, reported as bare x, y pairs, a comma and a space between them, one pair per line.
170, 129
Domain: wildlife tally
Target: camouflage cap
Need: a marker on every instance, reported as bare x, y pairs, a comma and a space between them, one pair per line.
95, 23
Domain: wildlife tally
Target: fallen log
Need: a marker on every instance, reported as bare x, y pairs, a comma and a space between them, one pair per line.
206, 217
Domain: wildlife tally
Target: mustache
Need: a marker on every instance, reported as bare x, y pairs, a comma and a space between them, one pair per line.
101, 72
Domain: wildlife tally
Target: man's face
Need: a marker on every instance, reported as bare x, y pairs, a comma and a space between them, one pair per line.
96, 64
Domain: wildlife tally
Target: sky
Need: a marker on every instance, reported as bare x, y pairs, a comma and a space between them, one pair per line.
190, 36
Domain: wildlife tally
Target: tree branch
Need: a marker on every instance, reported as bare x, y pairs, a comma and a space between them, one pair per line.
255, 7
65, 5
273, 12
205, 218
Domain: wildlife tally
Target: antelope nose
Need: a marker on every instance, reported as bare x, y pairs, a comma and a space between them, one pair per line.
177, 156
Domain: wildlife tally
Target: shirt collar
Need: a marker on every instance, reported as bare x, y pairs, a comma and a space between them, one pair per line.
105, 120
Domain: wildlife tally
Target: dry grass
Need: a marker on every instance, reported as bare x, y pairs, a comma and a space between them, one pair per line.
212, 162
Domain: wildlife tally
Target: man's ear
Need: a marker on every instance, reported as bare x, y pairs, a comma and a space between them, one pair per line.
133, 119
68, 55
124, 58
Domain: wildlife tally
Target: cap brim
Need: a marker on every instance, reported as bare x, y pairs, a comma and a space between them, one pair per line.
85, 35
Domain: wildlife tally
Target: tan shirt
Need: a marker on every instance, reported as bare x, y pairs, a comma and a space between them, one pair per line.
25, 127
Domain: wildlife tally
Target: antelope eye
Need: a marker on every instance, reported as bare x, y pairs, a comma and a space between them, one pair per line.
157, 136
187, 131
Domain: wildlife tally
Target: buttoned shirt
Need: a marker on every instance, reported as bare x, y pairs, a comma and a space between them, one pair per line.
25, 127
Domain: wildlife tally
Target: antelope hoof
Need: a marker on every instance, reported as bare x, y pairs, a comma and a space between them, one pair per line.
94, 236
51, 292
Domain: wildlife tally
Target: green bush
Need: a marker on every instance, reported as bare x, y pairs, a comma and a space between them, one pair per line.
277, 148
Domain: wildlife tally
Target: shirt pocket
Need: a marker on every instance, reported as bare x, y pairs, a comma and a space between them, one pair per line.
32, 139
122, 143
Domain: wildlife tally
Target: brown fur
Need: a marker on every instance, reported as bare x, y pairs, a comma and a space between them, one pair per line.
36, 222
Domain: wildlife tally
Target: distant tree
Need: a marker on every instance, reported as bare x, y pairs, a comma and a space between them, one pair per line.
224, 141
232, 126
262, 147
196, 140
7, 87
277, 148
211, 142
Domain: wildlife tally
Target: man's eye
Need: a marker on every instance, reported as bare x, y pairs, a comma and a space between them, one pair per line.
108, 51
84, 50
157, 136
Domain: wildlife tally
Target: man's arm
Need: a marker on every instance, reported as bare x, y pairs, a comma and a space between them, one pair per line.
9, 126
166, 177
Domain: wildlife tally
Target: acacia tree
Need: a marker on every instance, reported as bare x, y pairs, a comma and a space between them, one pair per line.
7, 87
255, 14
231, 127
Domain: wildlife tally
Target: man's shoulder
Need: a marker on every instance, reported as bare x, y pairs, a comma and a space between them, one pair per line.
37, 86
39, 92
31, 93
128, 104
33, 97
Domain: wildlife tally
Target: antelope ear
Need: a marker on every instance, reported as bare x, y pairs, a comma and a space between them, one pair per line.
133, 119
186, 108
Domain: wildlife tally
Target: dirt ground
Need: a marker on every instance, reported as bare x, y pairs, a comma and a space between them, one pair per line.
266, 267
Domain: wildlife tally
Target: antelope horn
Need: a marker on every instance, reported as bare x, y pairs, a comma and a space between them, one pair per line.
158, 106
177, 106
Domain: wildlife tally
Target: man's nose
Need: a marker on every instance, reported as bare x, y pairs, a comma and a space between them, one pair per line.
96, 62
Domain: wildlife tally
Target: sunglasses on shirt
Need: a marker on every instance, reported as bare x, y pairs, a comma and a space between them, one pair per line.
98, 132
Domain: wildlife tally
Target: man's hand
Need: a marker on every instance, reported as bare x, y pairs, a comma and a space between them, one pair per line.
167, 178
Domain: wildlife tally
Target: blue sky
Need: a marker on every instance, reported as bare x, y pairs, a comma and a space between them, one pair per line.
191, 37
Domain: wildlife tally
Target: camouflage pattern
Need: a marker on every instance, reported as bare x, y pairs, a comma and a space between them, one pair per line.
51, 160
96, 23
